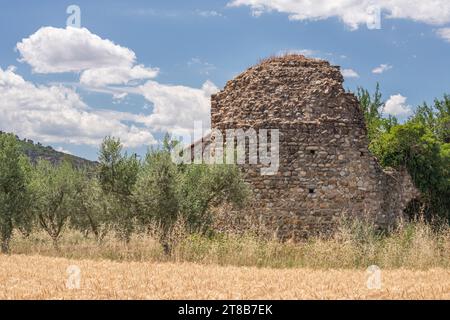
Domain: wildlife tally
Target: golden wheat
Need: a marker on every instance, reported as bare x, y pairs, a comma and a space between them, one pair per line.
414, 262
35, 277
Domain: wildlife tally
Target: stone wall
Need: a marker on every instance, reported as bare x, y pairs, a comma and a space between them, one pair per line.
326, 169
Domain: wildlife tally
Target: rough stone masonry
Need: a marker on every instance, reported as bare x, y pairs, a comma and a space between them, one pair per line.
325, 169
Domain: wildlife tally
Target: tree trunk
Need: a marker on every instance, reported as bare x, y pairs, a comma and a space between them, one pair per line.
5, 246
6, 232
55, 243
167, 248
166, 243
94, 227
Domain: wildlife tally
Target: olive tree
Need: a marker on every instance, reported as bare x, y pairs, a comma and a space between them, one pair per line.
55, 189
93, 209
117, 176
155, 194
13, 189
203, 187
165, 191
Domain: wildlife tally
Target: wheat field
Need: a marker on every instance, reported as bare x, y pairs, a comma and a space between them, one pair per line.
37, 277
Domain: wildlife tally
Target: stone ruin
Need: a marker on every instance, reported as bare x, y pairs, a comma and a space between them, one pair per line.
325, 167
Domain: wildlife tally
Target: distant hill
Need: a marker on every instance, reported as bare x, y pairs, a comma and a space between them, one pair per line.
36, 151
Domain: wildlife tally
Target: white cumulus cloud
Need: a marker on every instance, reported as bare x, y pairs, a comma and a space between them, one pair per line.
116, 75
382, 68
353, 12
176, 108
350, 73
444, 33
396, 106
101, 62
56, 50
61, 149
209, 13
56, 114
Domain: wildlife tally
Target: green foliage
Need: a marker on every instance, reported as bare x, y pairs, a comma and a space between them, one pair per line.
204, 186
118, 174
94, 210
372, 107
160, 191
166, 192
413, 146
124, 193
155, 194
436, 118
156, 189
420, 145
36, 151
54, 190
13, 189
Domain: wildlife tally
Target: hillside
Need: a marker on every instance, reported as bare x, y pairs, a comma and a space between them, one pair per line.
36, 151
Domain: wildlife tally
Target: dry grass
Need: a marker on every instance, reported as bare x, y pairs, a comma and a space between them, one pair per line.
412, 246
35, 277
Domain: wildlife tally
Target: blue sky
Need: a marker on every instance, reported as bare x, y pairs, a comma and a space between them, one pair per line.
173, 54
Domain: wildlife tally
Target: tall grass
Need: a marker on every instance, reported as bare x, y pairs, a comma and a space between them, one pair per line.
412, 245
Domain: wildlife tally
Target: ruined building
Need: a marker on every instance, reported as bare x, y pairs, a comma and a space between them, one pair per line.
325, 167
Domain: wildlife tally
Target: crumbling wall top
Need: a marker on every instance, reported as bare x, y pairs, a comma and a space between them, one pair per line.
291, 88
